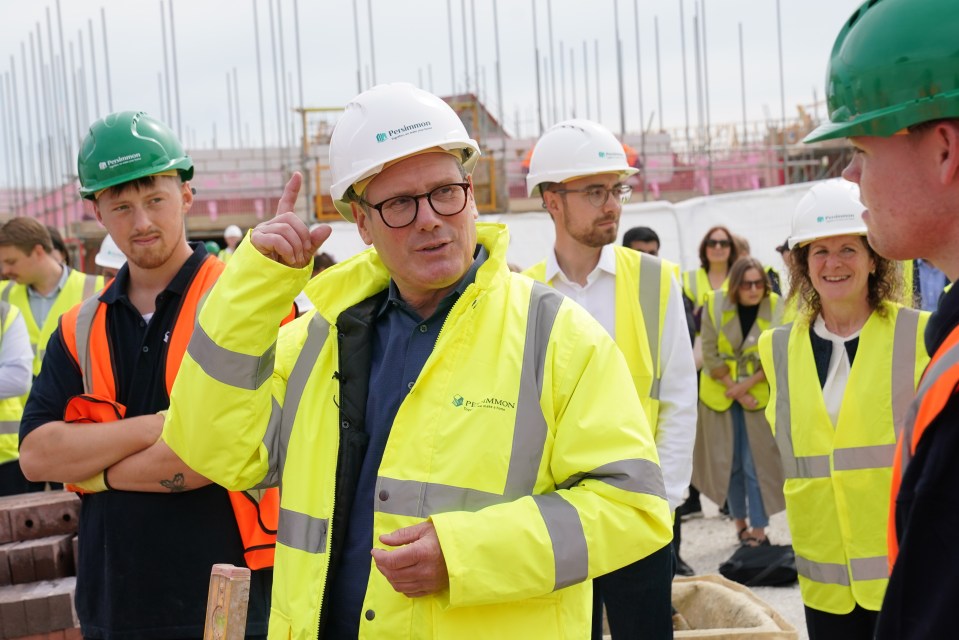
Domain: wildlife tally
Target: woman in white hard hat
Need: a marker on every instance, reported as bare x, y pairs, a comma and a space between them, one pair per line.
109, 258
735, 458
842, 376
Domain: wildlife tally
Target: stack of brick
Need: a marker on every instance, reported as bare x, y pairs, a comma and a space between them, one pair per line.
37, 568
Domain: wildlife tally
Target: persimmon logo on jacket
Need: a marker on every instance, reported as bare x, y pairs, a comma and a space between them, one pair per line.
486, 403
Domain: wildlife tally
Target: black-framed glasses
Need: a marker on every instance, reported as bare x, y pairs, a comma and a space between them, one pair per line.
746, 285
400, 211
718, 244
597, 195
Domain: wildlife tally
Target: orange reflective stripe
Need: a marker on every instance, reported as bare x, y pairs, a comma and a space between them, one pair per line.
256, 519
203, 280
938, 384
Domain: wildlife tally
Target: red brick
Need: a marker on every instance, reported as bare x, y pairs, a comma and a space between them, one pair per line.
37, 608
41, 514
5, 577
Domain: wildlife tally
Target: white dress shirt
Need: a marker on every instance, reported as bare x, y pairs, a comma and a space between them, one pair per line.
678, 394
16, 360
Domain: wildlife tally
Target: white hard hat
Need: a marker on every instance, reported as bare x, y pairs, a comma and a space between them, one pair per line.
829, 209
232, 231
573, 149
110, 256
387, 123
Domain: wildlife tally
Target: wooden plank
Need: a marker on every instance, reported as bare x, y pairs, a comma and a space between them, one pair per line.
227, 602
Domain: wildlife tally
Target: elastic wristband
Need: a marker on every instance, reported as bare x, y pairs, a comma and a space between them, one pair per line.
106, 482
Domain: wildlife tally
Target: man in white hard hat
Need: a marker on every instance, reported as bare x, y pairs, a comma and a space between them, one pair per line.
579, 169
231, 236
109, 258
471, 429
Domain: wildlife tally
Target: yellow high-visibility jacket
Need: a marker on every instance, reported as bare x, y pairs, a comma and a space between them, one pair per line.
724, 343
696, 286
11, 409
642, 294
838, 476
79, 287
522, 441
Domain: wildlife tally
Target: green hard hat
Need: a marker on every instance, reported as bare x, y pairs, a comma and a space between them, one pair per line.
212, 247
126, 146
895, 64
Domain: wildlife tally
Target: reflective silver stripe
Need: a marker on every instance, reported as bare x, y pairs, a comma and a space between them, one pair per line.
4, 312
303, 532
270, 441
793, 467
88, 309
719, 302
5, 295
570, 552
693, 286
825, 572
280, 427
530, 430
229, 367
424, 499
875, 568
903, 365
635, 475
89, 285
9, 427
650, 290
870, 457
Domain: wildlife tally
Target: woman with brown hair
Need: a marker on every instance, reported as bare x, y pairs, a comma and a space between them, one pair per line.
735, 458
717, 254
841, 377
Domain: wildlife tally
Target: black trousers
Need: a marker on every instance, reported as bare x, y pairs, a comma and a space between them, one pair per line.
858, 624
12, 480
638, 599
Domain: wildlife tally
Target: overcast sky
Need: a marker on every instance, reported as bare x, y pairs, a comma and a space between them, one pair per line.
411, 41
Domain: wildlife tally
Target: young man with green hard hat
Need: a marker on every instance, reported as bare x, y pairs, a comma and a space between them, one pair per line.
150, 528
893, 91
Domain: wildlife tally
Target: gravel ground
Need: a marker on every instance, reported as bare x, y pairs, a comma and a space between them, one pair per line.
710, 540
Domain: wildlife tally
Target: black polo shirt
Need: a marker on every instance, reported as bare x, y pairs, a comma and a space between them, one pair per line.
145, 558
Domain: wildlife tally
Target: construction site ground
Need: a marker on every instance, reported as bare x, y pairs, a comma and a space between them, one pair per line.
710, 540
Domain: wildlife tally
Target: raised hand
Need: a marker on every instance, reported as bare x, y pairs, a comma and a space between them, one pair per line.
286, 239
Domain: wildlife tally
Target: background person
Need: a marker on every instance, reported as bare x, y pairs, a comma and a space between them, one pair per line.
580, 174
231, 236
60, 251
835, 413
735, 458
39, 285
109, 258
16, 373
471, 429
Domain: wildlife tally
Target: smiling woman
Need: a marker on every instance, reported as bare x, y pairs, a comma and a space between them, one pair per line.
840, 380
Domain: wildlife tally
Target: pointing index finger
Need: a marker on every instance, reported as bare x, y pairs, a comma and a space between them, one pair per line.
290, 193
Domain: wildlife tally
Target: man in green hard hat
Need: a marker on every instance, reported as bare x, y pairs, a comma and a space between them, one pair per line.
150, 528
893, 91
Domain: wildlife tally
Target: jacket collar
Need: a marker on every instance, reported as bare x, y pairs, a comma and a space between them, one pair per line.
364, 275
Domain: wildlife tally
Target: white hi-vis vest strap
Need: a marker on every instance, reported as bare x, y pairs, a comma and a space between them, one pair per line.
855, 479
11, 409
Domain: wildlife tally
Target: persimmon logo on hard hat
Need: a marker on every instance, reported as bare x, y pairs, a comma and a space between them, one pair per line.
404, 131
119, 161
612, 155
839, 217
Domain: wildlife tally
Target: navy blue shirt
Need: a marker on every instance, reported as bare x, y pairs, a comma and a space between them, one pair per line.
144, 558
402, 342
